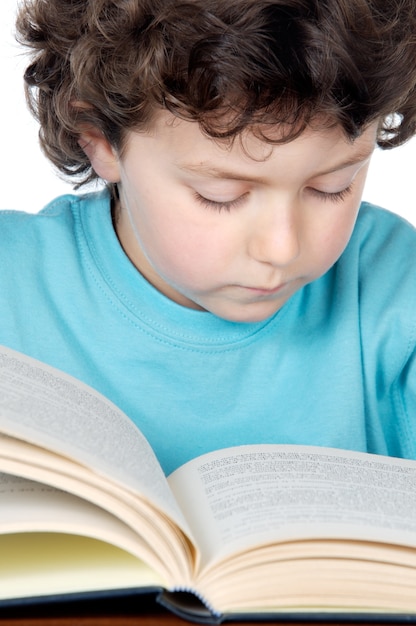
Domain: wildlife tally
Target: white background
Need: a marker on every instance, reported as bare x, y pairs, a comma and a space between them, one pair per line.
29, 182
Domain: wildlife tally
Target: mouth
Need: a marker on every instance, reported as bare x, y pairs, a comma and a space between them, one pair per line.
265, 291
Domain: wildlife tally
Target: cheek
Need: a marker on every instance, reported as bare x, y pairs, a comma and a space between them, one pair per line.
178, 248
331, 241
340, 221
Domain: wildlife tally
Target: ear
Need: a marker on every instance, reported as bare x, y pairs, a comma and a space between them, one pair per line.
103, 158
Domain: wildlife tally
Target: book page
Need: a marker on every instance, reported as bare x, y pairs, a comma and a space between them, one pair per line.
46, 564
247, 496
159, 540
52, 542
29, 506
51, 409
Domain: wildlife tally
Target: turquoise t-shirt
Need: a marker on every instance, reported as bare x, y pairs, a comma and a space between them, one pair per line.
335, 366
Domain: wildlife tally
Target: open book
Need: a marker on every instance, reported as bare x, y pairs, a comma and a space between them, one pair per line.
266, 530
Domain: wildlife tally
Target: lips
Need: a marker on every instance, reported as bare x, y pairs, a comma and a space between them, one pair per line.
266, 290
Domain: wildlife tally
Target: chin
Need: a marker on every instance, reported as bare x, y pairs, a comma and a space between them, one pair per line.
248, 313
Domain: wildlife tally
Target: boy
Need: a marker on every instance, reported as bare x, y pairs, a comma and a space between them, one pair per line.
226, 287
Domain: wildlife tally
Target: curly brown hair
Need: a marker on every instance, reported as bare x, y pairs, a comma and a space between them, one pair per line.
227, 64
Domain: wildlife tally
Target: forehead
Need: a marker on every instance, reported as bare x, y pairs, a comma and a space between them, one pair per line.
185, 145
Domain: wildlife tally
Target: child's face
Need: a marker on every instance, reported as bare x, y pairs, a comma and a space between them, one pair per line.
237, 230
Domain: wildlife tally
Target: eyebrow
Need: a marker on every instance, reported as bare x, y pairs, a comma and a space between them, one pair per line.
215, 172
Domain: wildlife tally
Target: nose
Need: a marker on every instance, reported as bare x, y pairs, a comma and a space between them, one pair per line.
275, 236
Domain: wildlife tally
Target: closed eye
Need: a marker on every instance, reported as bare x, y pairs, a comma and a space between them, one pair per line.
335, 196
228, 205
220, 205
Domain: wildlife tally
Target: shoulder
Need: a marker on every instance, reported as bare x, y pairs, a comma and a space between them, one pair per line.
387, 253
46, 247
380, 230
380, 262
62, 210
51, 228
381, 253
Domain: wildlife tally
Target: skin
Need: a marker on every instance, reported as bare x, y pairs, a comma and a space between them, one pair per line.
233, 229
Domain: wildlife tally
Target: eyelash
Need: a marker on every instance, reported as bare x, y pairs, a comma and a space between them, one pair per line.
337, 196
220, 206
